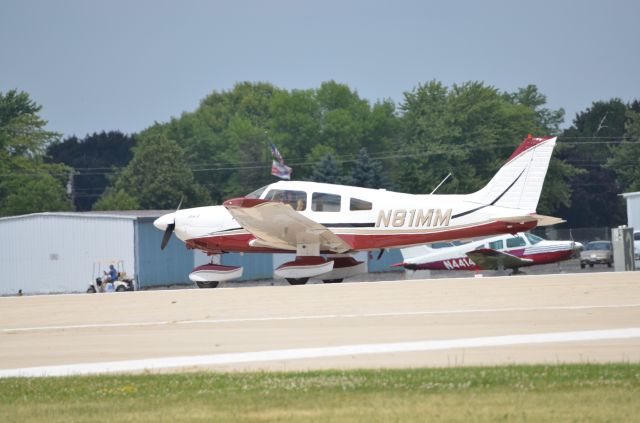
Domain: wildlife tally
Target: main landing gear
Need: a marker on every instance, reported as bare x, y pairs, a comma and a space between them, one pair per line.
203, 285
330, 270
297, 281
302, 281
210, 275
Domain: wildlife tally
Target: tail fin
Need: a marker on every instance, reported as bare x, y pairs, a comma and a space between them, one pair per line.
518, 183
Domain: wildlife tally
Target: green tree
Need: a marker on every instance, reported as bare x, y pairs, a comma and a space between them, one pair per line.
469, 130
557, 190
488, 130
382, 131
327, 171
27, 183
625, 160
213, 137
252, 158
22, 130
158, 177
295, 127
225, 143
116, 200
368, 173
595, 199
34, 192
92, 158
427, 126
343, 118
317, 153
547, 121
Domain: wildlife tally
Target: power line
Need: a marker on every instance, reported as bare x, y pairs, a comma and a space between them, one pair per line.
440, 149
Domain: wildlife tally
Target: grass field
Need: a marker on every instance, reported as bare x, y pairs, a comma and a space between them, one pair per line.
565, 393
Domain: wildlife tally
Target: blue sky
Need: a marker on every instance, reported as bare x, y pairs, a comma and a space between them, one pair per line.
122, 65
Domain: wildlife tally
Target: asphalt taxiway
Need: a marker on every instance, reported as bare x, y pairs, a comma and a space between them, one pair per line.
569, 318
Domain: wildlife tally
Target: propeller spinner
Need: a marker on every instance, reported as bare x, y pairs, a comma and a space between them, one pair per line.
168, 224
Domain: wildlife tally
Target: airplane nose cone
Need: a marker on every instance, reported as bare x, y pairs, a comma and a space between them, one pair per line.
163, 221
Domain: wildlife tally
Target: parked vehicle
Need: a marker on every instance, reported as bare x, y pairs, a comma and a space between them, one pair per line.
636, 245
102, 281
597, 252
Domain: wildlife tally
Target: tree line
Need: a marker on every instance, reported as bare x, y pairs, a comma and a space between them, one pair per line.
329, 134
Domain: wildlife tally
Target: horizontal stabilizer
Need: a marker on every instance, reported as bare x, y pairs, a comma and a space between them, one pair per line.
518, 219
548, 220
541, 219
489, 259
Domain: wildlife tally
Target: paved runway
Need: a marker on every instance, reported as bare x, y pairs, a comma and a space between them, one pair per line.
444, 322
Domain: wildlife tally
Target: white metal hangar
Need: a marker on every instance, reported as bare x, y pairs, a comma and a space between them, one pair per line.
56, 252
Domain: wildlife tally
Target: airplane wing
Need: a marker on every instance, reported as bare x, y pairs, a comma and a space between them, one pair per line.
277, 225
489, 259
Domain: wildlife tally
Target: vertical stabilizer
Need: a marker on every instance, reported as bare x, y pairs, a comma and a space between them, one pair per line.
518, 183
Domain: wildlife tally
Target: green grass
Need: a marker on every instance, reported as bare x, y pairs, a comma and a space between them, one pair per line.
567, 393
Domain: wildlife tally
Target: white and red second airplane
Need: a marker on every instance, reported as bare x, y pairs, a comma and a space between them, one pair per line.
324, 223
494, 253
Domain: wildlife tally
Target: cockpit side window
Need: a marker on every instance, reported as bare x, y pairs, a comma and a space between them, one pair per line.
496, 245
437, 245
296, 199
516, 241
322, 202
358, 205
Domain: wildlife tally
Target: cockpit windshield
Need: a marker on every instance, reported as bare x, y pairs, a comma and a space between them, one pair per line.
533, 239
257, 193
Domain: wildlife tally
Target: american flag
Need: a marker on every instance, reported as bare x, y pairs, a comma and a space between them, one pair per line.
278, 168
275, 153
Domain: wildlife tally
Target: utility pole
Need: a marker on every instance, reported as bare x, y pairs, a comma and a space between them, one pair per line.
71, 192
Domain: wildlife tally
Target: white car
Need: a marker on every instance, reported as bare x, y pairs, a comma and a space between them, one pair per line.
636, 245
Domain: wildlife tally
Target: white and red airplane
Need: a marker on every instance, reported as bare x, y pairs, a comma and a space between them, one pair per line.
494, 253
324, 223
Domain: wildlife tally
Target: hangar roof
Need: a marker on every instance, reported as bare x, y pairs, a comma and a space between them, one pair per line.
116, 214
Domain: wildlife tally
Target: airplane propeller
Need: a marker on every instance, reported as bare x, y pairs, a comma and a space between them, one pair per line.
167, 235
170, 228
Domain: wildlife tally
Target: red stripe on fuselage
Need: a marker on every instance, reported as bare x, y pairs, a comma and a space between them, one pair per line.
464, 262
550, 257
239, 243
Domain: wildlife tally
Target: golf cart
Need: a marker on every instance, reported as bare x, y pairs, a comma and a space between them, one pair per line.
103, 283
